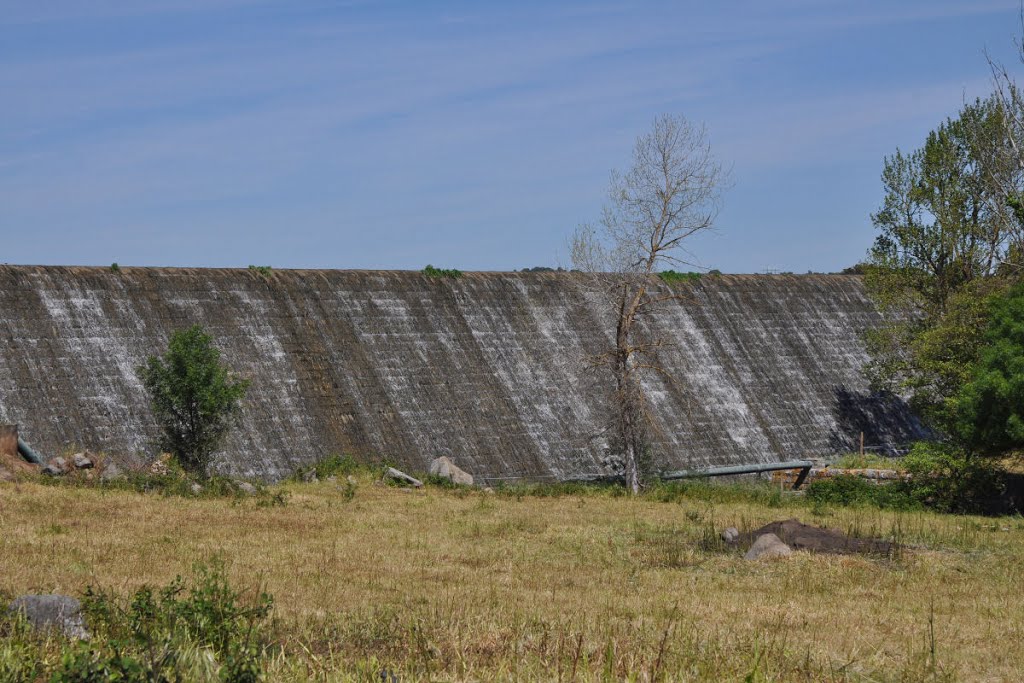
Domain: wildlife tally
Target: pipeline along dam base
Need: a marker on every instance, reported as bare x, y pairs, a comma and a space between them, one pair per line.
488, 369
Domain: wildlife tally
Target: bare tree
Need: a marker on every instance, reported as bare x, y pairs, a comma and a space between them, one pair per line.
671, 192
1003, 155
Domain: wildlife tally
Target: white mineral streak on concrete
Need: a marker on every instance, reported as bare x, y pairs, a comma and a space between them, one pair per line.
275, 381
520, 367
95, 342
709, 389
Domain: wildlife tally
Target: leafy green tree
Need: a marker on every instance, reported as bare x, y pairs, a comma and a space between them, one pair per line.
990, 406
946, 227
194, 397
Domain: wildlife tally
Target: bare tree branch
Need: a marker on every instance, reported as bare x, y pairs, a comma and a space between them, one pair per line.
671, 192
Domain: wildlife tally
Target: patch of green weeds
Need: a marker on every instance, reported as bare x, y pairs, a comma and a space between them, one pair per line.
671, 276
431, 271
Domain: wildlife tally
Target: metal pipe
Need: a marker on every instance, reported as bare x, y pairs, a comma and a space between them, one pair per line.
29, 454
738, 469
803, 465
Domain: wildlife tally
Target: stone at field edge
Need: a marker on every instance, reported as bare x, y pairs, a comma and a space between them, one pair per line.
54, 611
766, 547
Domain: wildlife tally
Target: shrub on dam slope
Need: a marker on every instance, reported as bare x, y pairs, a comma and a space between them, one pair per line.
194, 397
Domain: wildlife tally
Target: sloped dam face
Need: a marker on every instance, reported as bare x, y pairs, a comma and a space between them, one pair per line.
490, 369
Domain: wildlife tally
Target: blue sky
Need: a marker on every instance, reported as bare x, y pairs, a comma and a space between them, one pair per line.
476, 135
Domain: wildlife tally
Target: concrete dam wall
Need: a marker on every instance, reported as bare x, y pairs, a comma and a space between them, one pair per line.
488, 369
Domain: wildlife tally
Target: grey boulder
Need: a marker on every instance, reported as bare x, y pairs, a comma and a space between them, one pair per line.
443, 467
45, 612
731, 535
82, 461
110, 471
246, 488
766, 547
56, 467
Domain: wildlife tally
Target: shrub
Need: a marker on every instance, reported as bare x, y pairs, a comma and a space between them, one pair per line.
851, 490
671, 276
431, 271
18, 657
194, 398
989, 407
860, 461
265, 271
205, 631
114, 268
947, 479
336, 466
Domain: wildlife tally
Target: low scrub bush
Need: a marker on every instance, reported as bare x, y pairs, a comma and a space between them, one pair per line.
172, 482
671, 276
431, 271
850, 490
336, 466
941, 478
863, 461
202, 630
946, 479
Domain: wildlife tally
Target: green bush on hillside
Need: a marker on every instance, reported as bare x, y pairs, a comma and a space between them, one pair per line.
195, 399
671, 276
989, 408
431, 271
945, 478
202, 630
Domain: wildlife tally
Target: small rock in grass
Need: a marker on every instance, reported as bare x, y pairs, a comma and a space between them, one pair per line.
56, 467
246, 488
730, 535
45, 612
196, 488
768, 546
82, 461
110, 471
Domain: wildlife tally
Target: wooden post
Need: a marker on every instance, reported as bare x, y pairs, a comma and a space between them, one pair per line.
862, 444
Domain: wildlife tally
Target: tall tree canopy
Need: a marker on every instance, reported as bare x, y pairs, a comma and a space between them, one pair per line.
948, 235
990, 405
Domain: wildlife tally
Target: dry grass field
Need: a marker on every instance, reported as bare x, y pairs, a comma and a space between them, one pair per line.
443, 584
